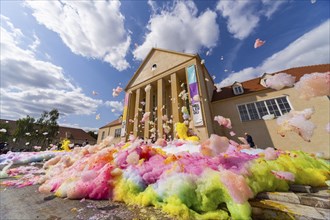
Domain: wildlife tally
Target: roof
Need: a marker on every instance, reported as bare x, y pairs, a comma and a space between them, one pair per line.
75, 134
148, 56
113, 123
254, 85
11, 124
72, 133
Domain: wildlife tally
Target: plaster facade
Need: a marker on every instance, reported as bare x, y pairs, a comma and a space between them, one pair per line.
166, 74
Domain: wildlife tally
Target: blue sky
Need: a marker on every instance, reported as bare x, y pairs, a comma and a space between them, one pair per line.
54, 54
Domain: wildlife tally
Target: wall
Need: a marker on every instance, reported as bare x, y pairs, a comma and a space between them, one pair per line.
204, 87
109, 131
265, 132
320, 141
163, 60
202, 131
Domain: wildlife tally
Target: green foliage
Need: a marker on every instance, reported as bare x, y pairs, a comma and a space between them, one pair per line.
4, 136
24, 130
47, 123
38, 132
92, 133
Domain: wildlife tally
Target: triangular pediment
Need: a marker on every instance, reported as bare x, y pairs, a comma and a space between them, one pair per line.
157, 62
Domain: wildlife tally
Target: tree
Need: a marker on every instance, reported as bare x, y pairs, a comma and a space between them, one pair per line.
4, 132
93, 134
31, 132
48, 127
24, 131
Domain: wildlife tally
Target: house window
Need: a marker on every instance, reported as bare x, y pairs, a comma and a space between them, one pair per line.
238, 89
262, 109
255, 110
102, 137
283, 105
273, 108
154, 66
243, 113
117, 132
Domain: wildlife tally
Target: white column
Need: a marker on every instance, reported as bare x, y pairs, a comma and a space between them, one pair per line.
136, 112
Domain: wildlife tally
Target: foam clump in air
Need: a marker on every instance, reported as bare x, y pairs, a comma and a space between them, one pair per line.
145, 117
280, 80
313, 85
215, 145
258, 43
268, 117
222, 121
116, 91
297, 121
327, 127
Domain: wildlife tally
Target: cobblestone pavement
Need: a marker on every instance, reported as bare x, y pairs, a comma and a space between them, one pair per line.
27, 203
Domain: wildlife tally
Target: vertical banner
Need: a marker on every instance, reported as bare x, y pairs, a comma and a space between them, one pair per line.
123, 122
194, 95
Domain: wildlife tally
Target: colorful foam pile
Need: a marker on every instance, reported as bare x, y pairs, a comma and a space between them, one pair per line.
185, 178
28, 157
28, 174
182, 178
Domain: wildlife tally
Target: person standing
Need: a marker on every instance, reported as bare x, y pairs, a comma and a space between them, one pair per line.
85, 143
249, 139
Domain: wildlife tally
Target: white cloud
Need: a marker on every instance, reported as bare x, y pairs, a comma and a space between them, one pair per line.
310, 49
153, 5
15, 32
118, 106
48, 57
243, 16
90, 29
86, 129
35, 43
270, 7
30, 86
179, 28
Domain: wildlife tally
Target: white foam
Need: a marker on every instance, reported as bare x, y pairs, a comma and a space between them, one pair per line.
172, 149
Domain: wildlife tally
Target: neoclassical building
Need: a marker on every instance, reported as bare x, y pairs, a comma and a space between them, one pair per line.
165, 76
155, 87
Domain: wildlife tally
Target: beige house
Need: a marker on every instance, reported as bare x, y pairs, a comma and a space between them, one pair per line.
112, 129
246, 108
157, 87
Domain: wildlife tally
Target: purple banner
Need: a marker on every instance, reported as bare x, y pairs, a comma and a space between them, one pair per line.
193, 88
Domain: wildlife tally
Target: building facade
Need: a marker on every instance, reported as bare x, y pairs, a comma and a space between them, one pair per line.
246, 110
158, 84
112, 129
155, 88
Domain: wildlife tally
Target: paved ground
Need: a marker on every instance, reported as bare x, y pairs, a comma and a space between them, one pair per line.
27, 203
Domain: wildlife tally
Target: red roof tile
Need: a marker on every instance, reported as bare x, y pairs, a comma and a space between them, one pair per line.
113, 123
76, 134
254, 85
